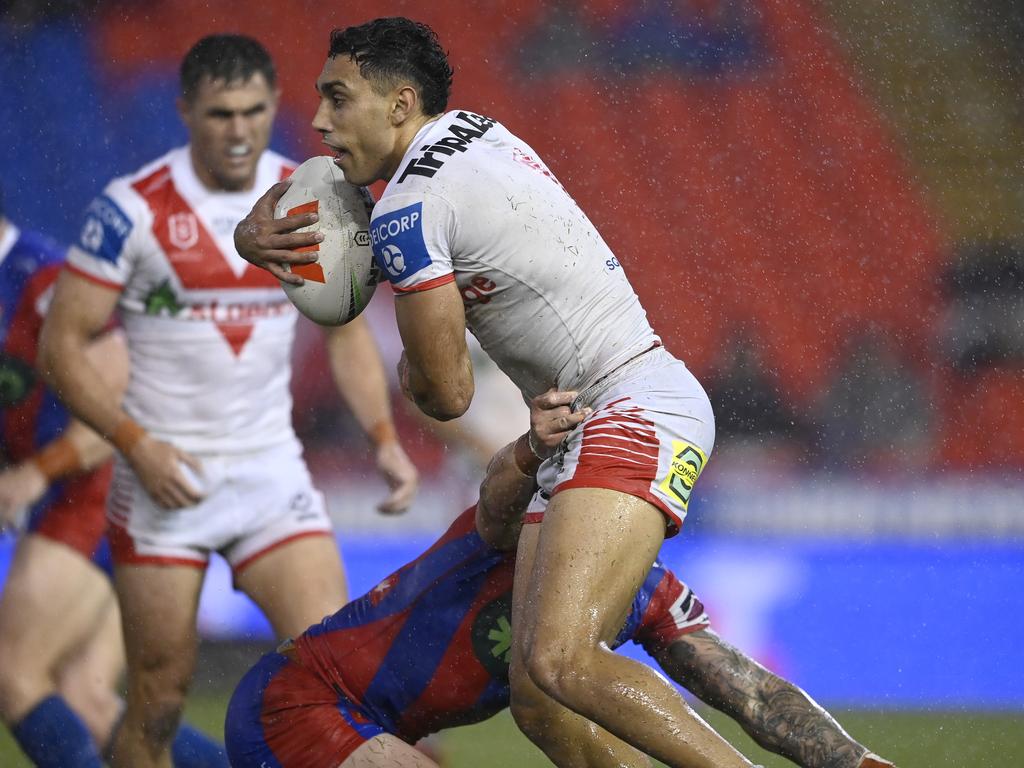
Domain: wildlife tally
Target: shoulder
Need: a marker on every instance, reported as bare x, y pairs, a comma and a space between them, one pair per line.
445, 143
126, 199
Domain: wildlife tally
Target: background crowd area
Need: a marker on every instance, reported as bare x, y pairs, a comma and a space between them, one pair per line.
820, 204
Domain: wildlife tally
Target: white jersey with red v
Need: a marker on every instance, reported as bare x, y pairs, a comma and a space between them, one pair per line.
210, 335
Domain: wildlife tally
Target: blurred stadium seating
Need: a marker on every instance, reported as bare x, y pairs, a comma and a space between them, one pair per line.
794, 176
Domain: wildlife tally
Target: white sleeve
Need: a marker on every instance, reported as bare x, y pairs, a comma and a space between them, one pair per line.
112, 226
411, 237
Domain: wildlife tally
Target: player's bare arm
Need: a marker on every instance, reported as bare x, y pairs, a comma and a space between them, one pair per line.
438, 375
511, 476
775, 713
271, 243
359, 375
79, 312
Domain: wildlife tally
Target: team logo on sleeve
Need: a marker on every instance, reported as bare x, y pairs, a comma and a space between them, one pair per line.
398, 245
687, 462
105, 229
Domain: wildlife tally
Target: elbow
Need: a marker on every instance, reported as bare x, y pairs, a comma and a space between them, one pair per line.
445, 403
445, 410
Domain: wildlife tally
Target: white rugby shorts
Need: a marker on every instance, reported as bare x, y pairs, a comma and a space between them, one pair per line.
650, 435
252, 503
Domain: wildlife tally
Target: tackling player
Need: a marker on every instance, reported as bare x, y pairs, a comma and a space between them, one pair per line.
474, 230
61, 653
428, 649
208, 460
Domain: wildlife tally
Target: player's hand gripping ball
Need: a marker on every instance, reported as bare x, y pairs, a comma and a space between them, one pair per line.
340, 284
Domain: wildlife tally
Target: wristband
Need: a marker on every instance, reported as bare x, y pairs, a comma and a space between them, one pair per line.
127, 435
58, 459
382, 432
525, 458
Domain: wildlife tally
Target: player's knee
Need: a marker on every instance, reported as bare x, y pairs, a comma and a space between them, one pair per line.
558, 671
160, 682
526, 708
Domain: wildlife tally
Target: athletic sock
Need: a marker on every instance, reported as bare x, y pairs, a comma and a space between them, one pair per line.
53, 736
194, 749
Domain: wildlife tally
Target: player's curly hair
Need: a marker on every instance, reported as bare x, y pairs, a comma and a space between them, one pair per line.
395, 48
231, 58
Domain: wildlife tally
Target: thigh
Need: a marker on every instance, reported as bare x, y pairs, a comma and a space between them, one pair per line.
158, 612
52, 603
296, 583
593, 550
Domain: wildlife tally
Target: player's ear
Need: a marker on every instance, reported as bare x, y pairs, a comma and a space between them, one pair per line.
406, 104
275, 101
184, 107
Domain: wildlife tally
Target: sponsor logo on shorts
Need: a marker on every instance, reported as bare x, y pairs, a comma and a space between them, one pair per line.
302, 504
687, 462
105, 229
491, 636
398, 245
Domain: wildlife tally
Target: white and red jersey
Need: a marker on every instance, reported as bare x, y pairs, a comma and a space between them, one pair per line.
210, 335
543, 293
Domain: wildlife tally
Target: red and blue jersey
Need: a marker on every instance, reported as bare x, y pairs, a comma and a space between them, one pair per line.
31, 415
428, 647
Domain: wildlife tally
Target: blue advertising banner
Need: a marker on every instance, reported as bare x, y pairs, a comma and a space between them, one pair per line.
877, 625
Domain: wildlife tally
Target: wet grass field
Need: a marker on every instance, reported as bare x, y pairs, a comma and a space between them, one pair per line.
911, 739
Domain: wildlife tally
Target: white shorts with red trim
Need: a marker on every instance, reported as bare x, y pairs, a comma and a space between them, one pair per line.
252, 503
650, 435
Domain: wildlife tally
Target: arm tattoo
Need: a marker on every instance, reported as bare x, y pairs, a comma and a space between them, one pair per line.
775, 713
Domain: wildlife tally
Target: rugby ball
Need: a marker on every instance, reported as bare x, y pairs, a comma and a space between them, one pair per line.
339, 285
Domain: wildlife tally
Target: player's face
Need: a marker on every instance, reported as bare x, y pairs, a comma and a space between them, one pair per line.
229, 126
356, 122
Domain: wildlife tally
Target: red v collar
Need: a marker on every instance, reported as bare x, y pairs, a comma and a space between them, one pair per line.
193, 253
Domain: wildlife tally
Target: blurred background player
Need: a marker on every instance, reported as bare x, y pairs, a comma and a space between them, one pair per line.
208, 458
428, 649
61, 652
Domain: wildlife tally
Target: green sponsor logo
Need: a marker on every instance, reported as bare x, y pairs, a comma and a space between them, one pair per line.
162, 300
17, 378
492, 636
